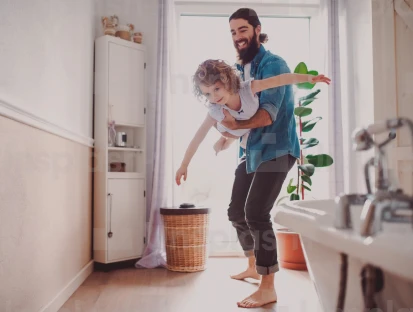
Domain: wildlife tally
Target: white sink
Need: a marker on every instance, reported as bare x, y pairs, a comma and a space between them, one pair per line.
391, 250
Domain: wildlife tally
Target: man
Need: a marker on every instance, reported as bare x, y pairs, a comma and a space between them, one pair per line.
271, 150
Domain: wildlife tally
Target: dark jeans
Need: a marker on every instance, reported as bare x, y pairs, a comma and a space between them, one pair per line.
253, 196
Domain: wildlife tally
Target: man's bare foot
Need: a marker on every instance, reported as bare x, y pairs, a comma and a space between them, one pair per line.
264, 295
248, 273
259, 298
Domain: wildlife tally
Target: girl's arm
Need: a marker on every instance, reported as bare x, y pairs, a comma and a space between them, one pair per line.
197, 139
286, 79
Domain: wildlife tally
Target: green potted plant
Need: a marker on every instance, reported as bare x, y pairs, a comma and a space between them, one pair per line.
288, 242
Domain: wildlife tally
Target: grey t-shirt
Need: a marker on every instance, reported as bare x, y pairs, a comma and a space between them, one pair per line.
249, 106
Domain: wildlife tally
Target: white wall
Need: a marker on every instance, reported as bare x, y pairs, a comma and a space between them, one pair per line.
46, 62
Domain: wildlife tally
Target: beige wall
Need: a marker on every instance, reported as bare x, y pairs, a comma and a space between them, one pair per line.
45, 215
393, 76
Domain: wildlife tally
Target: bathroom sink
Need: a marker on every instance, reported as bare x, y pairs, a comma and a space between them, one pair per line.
391, 250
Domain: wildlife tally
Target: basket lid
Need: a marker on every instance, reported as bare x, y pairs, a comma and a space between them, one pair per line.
184, 211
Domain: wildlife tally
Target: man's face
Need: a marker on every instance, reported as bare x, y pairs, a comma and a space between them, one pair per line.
245, 39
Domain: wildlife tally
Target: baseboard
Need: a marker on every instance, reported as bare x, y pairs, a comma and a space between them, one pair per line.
69, 289
13, 112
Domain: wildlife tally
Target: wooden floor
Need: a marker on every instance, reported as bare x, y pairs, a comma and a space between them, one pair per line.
160, 290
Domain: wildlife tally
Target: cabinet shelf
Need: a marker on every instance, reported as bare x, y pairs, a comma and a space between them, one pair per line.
125, 175
125, 149
129, 125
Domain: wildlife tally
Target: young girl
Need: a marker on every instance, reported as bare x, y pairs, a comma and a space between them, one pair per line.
219, 84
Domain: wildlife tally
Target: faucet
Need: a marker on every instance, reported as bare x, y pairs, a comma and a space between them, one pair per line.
386, 204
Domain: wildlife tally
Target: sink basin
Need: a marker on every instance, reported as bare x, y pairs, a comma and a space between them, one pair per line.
391, 250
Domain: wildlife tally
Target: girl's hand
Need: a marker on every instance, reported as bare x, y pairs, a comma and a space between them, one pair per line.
182, 171
320, 78
219, 145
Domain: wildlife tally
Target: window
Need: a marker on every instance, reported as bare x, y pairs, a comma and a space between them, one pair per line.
210, 177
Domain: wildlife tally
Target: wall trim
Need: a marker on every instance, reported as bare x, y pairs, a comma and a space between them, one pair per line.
16, 113
69, 289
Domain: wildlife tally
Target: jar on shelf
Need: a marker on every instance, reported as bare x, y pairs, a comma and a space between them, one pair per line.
117, 167
137, 37
124, 31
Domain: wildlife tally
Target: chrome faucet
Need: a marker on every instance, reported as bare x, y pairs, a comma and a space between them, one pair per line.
342, 218
385, 205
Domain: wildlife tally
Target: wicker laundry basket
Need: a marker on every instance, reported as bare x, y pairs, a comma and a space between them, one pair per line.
186, 238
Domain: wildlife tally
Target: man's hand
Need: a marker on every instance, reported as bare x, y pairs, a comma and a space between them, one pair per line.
229, 121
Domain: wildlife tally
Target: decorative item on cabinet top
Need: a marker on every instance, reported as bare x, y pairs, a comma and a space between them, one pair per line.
109, 24
111, 27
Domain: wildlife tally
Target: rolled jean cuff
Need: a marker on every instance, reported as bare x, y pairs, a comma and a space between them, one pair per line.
261, 270
249, 253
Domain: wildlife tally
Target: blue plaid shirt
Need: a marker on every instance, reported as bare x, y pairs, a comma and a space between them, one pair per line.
279, 138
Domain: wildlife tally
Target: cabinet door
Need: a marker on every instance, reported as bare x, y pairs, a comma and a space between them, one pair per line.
126, 218
126, 85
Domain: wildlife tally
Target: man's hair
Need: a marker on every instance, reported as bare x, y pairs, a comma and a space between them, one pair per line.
211, 71
252, 18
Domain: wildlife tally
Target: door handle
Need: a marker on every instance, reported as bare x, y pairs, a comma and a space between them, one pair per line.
110, 234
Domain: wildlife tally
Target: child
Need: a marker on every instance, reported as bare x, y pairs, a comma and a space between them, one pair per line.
219, 84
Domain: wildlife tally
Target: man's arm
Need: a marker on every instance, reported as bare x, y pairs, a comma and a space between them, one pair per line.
226, 134
270, 101
261, 119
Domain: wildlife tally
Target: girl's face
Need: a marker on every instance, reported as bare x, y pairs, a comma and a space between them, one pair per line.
216, 93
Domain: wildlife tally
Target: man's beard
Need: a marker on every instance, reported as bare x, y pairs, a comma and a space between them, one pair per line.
247, 54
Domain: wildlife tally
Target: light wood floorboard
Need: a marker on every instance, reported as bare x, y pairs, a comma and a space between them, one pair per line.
153, 290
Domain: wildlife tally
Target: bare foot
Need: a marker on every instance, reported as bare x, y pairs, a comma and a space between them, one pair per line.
248, 273
259, 298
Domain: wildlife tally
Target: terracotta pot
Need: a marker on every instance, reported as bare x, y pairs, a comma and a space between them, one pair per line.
290, 252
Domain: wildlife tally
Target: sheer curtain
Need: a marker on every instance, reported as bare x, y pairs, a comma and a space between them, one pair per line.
354, 98
347, 59
160, 190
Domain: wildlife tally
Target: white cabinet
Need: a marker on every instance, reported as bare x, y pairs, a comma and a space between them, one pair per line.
119, 195
126, 77
126, 222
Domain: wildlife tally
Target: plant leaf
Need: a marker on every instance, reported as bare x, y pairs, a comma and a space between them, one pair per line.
320, 160
309, 143
313, 72
282, 198
310, 96
291, 188
301, 68
309, 125
305, 85
306, 179
308, 102
294, 197
302, 111
306, 187
307, 169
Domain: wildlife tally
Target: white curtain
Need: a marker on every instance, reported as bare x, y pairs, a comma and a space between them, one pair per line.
346, 25
354, 97
160, 190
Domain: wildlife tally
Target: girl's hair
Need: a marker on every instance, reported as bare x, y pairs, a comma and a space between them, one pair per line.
211, 71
